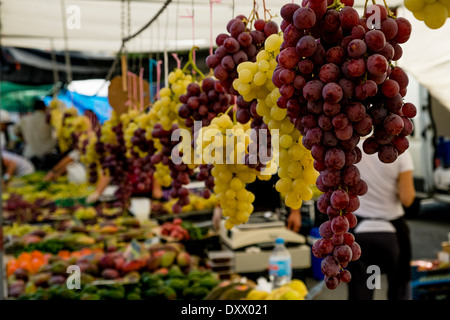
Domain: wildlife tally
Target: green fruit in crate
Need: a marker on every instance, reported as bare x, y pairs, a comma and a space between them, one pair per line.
90, 296
132, 277
134, 296
209, 282
168, 259
59, 267
112, 294
87, 213
178, 284
170, 293
175, 272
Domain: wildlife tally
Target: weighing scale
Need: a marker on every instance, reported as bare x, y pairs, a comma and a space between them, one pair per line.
252, 243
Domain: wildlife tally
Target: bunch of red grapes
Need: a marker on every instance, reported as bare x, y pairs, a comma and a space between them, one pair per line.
141, 167
240, 45
203, 102
114, 161
338, 85
204, 174
180, 173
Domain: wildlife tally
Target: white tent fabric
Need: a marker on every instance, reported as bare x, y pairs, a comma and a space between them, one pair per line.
39, 24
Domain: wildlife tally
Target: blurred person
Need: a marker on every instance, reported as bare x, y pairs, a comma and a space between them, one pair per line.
5, 122
71, 164
153, 192
14, 165
382, 231
37, 135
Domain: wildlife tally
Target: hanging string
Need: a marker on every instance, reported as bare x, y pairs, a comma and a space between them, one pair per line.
232, 11
166, 58
141, 89
193, 29
176, 26
175, 56
151, 62
158, 78
190, 15
129, 101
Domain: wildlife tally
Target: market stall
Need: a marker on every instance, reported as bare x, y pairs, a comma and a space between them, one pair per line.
162, 195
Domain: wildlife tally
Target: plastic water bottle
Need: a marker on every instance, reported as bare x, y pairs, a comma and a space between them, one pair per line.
280, 264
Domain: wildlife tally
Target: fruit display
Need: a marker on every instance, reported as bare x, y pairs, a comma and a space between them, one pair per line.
33, 187
293, 290
159, 272
72, 235
433, 13
196, 203
180, 230
234, 289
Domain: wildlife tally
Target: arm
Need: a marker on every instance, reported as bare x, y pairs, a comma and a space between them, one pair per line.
294, 220
10, 167
406, 190
58, 169
103, 182
156, 190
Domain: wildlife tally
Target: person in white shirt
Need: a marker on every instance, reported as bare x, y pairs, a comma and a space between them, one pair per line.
14, 165
382, 231
37, 135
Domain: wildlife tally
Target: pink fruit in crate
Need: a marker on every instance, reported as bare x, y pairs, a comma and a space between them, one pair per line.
154, 263
183, 259
106, 262
163, 271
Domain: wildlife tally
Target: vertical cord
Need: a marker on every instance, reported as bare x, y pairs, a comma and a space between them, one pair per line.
55, 67
176, 25
193, 31
166, 58
66, 49
232, 11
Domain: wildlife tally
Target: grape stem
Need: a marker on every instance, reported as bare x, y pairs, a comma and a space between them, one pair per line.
365, 9
253, 15
337, 5
192, 64
390, 13
266, 11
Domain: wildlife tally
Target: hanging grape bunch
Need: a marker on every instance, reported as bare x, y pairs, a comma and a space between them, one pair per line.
242, 45
338, 84
432, 13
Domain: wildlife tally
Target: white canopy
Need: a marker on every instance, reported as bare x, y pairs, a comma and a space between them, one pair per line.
42, 25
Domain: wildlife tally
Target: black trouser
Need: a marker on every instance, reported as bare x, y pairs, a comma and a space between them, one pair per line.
46, 162
392, 253
379, 249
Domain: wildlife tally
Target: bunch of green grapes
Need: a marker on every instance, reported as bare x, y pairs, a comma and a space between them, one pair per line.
296, 171
224, 144
165, 109
88, 155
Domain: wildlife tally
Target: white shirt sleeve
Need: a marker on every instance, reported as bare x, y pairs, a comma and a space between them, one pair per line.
405, 162
74, 155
